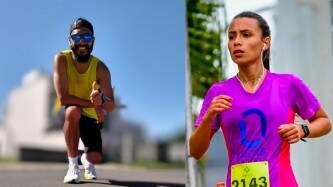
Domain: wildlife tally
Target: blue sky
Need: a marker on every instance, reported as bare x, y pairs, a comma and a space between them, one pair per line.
142, 43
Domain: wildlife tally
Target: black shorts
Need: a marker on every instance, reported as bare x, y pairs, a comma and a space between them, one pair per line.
90, 134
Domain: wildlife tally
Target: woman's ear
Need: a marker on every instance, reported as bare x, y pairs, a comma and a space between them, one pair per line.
266, 41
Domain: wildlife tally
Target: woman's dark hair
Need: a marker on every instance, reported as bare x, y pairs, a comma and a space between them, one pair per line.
81, 23
264, 28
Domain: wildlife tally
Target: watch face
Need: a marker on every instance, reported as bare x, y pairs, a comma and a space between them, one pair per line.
306, 130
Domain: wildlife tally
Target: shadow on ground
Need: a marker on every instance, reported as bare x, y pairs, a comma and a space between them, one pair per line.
134, 183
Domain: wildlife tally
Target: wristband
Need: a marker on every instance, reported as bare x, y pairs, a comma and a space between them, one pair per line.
105, 98
102, 97
104, 112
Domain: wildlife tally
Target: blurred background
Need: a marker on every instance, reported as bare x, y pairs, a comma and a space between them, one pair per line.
143, 45
301, 44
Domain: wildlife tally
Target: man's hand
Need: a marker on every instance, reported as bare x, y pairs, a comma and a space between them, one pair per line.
96, 99
95, 95
100, 114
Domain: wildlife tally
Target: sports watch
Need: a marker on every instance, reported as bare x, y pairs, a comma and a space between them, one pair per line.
306, 132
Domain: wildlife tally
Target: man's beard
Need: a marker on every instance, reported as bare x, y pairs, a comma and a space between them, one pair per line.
81, 58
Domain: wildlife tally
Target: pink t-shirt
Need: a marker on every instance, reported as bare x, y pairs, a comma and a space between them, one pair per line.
250, 128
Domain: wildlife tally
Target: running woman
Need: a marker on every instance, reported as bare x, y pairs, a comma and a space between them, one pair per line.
83, 85
255, 110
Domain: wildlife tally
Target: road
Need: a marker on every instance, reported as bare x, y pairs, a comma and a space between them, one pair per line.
51, 175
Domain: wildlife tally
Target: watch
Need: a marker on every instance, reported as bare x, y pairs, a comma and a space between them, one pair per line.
306, 132
104, 112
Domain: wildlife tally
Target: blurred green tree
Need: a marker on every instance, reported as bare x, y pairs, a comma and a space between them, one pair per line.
204, 44
204, 64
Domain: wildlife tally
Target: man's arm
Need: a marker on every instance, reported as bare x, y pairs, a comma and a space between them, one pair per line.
104, 79
61, 84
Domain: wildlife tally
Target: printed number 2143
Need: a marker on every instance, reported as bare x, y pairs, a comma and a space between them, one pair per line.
261, 182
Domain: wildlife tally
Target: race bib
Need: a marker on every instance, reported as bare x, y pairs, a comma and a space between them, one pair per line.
253, 174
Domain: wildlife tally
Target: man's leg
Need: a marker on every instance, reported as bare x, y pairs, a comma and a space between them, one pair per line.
90, 134
71, 130
94, 157
88, 160
72, 134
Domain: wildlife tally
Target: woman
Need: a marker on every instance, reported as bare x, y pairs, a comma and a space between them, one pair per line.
255, 110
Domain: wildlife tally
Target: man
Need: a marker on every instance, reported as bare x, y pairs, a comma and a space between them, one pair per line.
83, 85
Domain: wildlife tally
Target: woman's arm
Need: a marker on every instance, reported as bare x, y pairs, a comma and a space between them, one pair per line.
200, 138
319, 124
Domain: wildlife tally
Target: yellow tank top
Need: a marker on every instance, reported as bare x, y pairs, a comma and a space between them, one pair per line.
80, 84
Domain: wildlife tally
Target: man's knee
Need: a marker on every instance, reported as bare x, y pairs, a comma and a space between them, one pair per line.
94, 157
73, 113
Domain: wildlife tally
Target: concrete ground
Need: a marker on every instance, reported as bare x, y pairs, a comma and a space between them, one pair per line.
51, 175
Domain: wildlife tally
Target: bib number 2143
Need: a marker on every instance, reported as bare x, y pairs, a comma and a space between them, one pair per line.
254, 174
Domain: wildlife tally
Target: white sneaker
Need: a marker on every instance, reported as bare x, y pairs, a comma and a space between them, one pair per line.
89, 169
73, 174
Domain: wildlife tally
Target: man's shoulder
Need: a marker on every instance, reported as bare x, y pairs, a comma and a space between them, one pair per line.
64, 53
98, 60
102, 69
101, 66
60, 58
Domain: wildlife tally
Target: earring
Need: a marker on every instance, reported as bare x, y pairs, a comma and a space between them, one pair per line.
264, 47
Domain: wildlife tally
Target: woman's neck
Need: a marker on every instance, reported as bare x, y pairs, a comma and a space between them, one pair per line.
251, 73
251, 76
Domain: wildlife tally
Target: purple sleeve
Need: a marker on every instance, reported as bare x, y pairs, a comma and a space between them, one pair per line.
211, 93
304, 102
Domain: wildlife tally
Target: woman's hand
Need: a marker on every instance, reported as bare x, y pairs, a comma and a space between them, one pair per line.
291, 132
218, 104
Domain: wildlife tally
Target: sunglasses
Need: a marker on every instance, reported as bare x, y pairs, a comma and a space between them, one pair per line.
84, 37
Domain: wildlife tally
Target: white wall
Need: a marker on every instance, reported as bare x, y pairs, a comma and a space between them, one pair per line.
176, 152
26, 118
303, 46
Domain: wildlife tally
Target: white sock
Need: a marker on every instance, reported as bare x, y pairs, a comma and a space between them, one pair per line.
84, 157
73, 161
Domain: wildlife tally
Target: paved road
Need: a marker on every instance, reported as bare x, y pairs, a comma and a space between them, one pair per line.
51, 175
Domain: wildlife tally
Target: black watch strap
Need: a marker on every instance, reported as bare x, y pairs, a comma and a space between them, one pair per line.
306, 132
